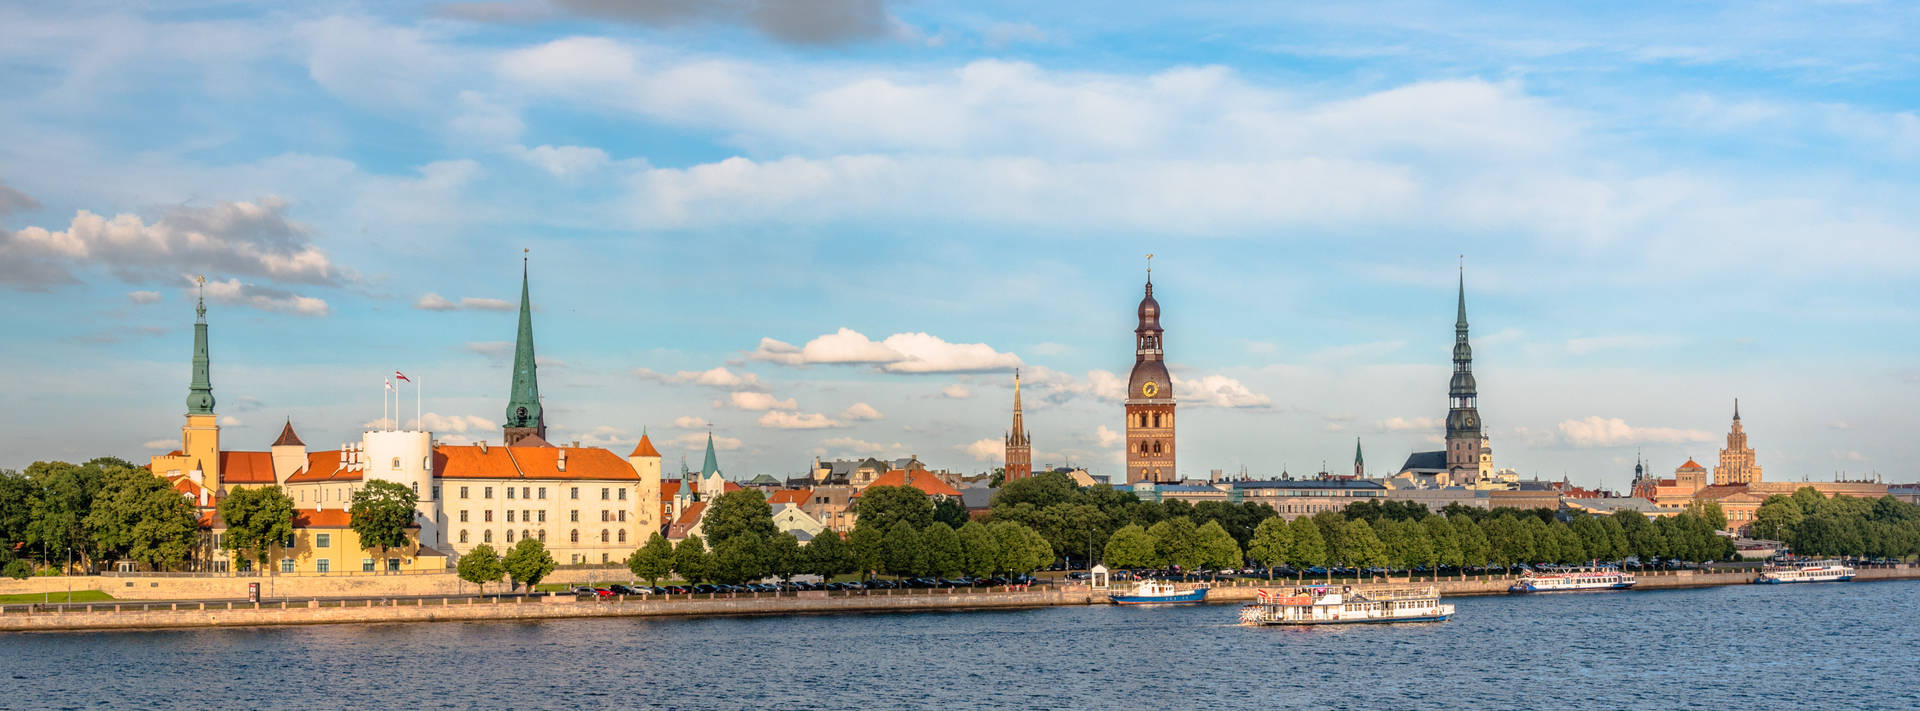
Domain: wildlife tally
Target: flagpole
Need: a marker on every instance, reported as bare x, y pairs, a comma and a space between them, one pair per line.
418, 419
383, 400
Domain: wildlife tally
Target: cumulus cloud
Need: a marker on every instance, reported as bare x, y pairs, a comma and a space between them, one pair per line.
719, 377
435, 302
698, 441
251, 239
688, 422
438, 423
265, 298
1218, 391
757, 401
490, 348
986, 450
229, 421
1107, 385
782, 420
1409, 424
860, 411
815, 22
1612, 432
602, 436
859, 446
914, 353
562, 161
1107, 437
143, 297
956, 391
160, 444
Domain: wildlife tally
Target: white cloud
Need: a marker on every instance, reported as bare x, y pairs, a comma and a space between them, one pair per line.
229, 421
143, 297
1403, 424
1107, 385
1108, 437
245, 238
1217, 391
862, 447
1612, 432
384, 423
757, 401
562, 161
602, 436
686, 422
265, 298
861, 411
437, 423
1848, 455
986, 450
1051, 348
956, 391
435, 302
899, 353
160, 444
781, 420
719, 377
490, 349
698, 441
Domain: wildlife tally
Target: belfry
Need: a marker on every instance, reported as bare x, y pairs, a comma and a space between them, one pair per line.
1149, 402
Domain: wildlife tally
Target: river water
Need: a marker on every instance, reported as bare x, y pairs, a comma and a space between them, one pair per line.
1818, 646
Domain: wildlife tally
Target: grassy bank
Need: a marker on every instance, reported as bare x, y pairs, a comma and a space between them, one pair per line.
78, 596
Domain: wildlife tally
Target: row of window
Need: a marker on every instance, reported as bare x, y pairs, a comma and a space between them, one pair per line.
540, 492
1155, 420
325, 565
486, 535
1156, 447
531, 516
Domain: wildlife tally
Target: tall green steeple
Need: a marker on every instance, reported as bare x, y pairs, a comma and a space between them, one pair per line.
712, 465
1359, 462
524, 417
200, 392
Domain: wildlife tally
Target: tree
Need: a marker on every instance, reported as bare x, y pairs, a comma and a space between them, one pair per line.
1021, 549
380, 513
1709, 512
257, 520
828, 555
1309, 547
1776, 518
480, 566
1272, 539
1568, 545
690, 559
1361, 547
738, 559
880, 507
1073, 529
950, 512
900, 553
528, 563
743, 512
784, 557
1505, 541
1041, 490
652, 561
62, 497
137, 516
1416, 546
18, 569
867, 545
1475, 550
942, 546
1216, 548
1175, 543
979, 553
1130, 547
16, 508
1443, 542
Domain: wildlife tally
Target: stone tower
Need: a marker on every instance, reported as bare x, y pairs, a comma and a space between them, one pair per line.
1019, 441
1737, 465
645, 461
200, 437
526, 424
1463, 415
1149, 403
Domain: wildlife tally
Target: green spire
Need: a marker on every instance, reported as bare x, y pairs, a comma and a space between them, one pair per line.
1358, 461
523, 404
1461, 323
200, 392
712, 465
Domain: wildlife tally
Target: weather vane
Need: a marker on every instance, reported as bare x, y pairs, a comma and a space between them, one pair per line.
1149, 266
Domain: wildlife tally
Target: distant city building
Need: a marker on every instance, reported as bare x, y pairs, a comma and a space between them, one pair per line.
1736, 486
1149, 401
1463, 415
1737, 463
1019, 462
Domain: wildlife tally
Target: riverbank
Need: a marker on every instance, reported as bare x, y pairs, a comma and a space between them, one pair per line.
162, 615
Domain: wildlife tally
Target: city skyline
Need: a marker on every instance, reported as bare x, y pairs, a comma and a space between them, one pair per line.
815, 283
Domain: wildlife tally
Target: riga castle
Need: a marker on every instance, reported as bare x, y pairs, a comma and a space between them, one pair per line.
588, 504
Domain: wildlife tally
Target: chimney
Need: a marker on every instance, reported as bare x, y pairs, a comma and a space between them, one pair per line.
483, 446
563, 460
576, 444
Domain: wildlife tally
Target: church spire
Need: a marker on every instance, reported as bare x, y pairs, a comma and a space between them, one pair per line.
1359, 462
524, 417
200, 391
712, 465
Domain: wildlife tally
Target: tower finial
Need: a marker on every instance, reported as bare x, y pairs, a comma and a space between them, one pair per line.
1149, 267
1736, 408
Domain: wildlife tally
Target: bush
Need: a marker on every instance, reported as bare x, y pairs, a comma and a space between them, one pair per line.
18, 570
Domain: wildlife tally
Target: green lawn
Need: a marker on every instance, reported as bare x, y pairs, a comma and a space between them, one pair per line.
59, 596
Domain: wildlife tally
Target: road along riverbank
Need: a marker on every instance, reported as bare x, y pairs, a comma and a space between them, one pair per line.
170, 615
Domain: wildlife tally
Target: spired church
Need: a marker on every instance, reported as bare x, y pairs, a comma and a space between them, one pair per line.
1149, 401
1468, 458
587, 504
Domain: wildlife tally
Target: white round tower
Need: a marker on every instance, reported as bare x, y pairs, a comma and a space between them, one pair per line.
405, 457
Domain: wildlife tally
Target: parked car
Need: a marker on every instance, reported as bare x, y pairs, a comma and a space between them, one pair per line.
619, 589
585, 591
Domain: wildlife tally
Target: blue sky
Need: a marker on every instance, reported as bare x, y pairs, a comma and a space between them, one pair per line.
833, 232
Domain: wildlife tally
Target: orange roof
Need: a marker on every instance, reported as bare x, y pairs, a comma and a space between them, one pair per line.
797, 497
246, 468
669, 488
920, 479
644, 448
729, 487
692, 513
468, 462
324, 466
329, 518
1691, 465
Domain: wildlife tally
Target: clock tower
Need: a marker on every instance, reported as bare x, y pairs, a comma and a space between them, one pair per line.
1463, 413
1149, 403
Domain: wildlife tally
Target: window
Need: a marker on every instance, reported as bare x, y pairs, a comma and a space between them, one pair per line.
509, 492
603, 493
393, 565
575, 516
486, 493
605, 516
1143, 419
463, 492
524, 491
463, 516
509, 535
1156, 447
287, 543
603, 559
543, 535
623, 535
463, 532
524, 533
286, 565
603, 535
323, 565
1143, 448
366, 565
623, 494
322, 540
525, 515
543, 492
576, 492
509, 513
623, 515
543, 516
486, 536
1156, 419
436, 492
575, 535
487, 515
396, 464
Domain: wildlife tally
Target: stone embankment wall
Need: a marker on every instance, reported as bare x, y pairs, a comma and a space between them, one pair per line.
163, 587
104, 617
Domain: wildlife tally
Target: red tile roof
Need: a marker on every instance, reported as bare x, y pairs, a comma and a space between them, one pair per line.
329, 518
796, 497
920, 479
669, 488
469, 462
324, 466
692, 513
246, 468
644, 448
288, 438
1690, 464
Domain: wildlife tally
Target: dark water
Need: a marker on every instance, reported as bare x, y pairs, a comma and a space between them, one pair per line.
1817, 646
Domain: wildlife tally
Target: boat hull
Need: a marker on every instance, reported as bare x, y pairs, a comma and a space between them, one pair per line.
1356, 621
1184, 597
1823, 579
1530, 588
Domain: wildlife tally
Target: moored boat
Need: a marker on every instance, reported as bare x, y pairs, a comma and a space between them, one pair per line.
1602, 578
1156, 592
1820, 571
1328, 605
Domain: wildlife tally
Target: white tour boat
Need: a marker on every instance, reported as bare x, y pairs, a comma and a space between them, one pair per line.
1603, 578
1328, 605
1823, 571
1155, 592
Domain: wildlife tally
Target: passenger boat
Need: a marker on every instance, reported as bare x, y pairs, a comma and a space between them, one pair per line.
1603, 578
1155, 592
1823, 571
1328, 605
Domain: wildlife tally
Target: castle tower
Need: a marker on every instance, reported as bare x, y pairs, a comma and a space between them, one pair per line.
645, 460
1463, 414
200, 437
1019, 463
526, 424
1149, 403
1737, 464
289, 454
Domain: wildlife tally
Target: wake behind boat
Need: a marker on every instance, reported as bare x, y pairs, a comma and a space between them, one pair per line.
1602, 578
1155, 592
1822, 571
1327, 605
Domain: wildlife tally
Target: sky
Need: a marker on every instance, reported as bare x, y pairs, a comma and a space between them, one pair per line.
833, 228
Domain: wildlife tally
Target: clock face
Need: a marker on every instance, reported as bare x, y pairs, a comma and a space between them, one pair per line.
1150, 389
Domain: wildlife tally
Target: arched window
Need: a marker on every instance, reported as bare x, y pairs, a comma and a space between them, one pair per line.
509, 535
575, 535
543, 535
1143, 448
524, 533
463, 533
1143, 419
1156, 419
486, 536
603, 535
1156, 447
623, 535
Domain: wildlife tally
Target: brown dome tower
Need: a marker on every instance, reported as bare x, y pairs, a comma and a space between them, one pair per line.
1149, 403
